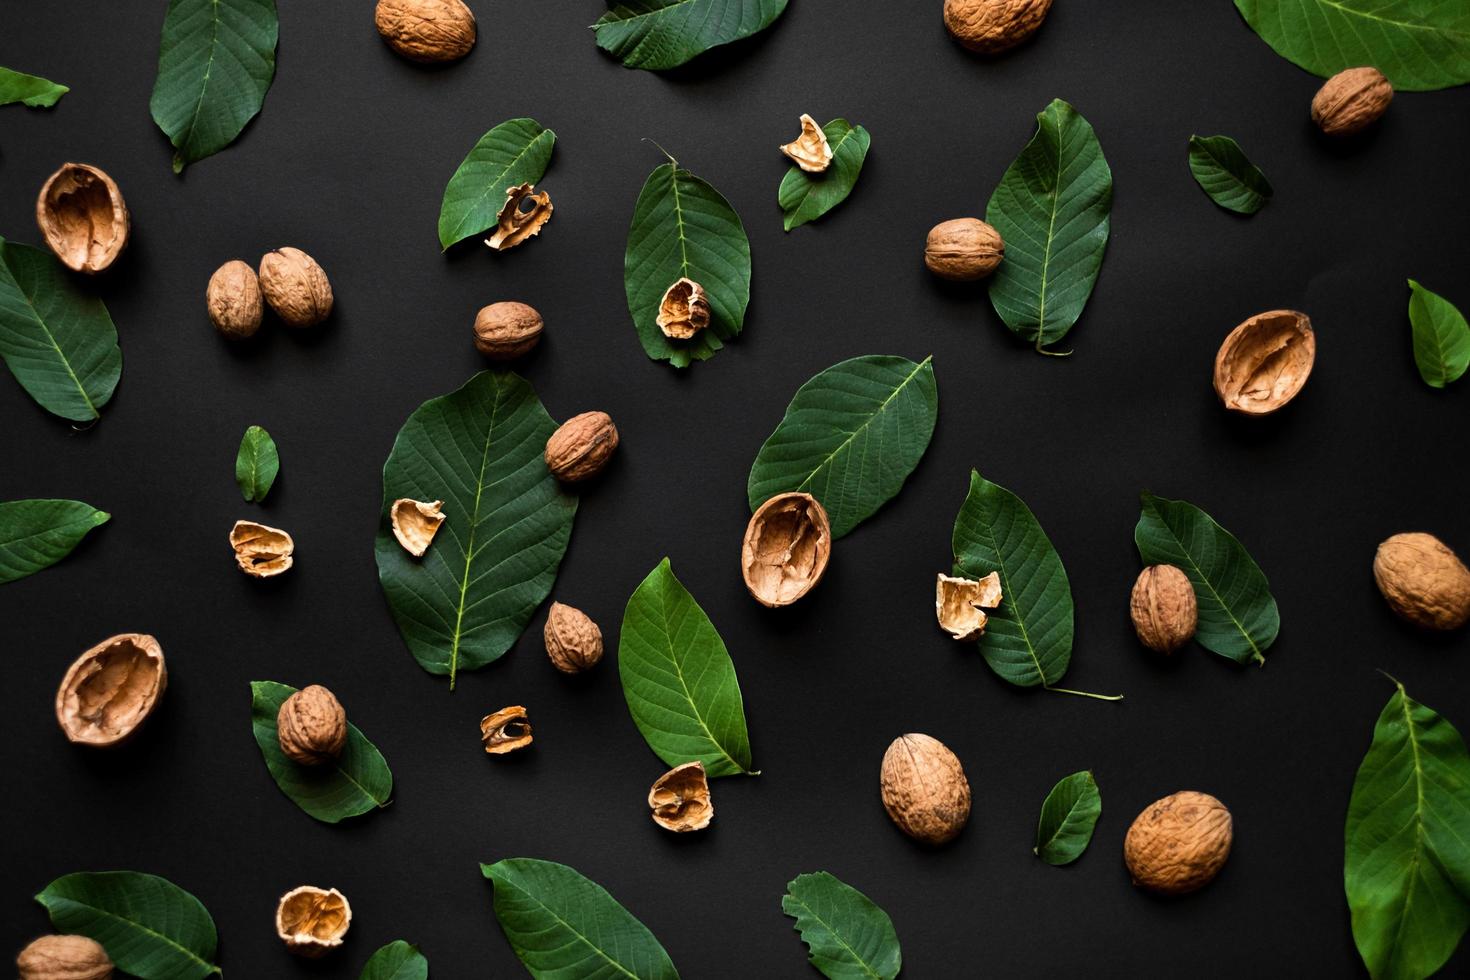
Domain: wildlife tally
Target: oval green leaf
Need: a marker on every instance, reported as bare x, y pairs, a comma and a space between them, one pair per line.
679, 679
256, 464
396, 961
562, 924
35, 534
1441, 337
506, 526
31, 90
357, 783
683, 228
1237, 614
660, 34
150, 927
1224, 172
806, 197
513, 153
848, 936
850, 437
1068, 815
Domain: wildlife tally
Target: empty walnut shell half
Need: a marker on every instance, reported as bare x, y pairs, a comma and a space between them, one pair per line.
111, 690
516, 223
83, 217
810, 150
1179, 844
426, 30
684, 310
960, 604
1265, 361
505, 730
415, 522
261, 551
787, 544
680, 799
313, 921
311, 726
64, 958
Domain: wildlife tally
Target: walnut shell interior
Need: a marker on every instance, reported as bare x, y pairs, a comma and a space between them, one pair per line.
83, 217
1264, 362
810, 150
517, 222
787, 545
261, 551
505, 730
960, 604
684, 310
313, 921
111, 689
415, 522
680, 799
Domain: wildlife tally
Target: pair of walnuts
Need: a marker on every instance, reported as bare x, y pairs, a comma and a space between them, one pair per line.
290, 281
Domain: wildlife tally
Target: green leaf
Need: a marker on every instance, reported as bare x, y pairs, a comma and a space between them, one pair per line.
1418, 44
1052, 209
563, 925
506, 525
1237, 615
515, 152
806, 197
660, 34
35, 534
849, 937
1441, 337
683, 228
1406, 864
1224, 172
679, 680
58, 341
396, 961
150, 927
32, 90
357, 783
850, 437
216, 59
256, 465
1068, 815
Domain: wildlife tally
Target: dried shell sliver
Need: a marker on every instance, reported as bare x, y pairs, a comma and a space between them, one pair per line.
680, 799
514, 225
505, 730
261, 551
810, 150
684, 310
960, 604
415, 523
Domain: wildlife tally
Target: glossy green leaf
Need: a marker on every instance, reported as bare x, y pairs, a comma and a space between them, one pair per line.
216, 59
256, 464
32, 90
1406, 865
150, 927
679, 680
850, 437
659, 34
683, 228
849, 937
1068, 815
357, 783
1418, 44
564, 926
507, 523
515, 152
35, 534
1223, 171
806, 197
58, 341
396, 961
1441, 337
1237, 614
1052, 209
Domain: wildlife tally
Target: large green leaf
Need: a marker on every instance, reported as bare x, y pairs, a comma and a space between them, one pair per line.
1406, 864
216, 59
32, 90
1052, 209
1068, 815
1225, 173
679, 680
515, 152
357, 783
659, 34
150, 927
849, 937
256, 464
683, 228
1441, 337
1237, 614
35, 534
1418, 44
506, 526
396, 961
58, 341
850, 437
564, 926
806, 197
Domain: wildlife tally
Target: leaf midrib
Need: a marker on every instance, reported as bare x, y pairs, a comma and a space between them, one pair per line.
214, 22
1056, 197
684, 687
1419, 842
1018, 619
469, 550
50, 337
807, 482
1402, 24
838, 936
572, 929
649, 13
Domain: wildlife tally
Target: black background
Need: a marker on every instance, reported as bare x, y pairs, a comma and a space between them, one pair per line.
348, 160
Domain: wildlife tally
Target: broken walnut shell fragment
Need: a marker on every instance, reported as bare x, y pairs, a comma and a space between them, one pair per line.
261, 551
514, 225
924, 789
507, 330
505, 730
810, 150
581, 446
1179, 844
573, 640
680, 799
684, 310
426, 30
311, 726
313, 921
960, 604
64, 958
963, 249
786, 548
993, 26
83, 217
1351, 101
110, 690
234, 300
295, 286
1423, 581
1264, 362
1164, 608
415, 522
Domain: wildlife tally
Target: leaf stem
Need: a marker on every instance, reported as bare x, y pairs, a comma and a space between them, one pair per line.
1083, 694
665, 152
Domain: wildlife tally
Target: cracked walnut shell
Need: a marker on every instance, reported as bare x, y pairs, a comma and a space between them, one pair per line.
415, 522
924, 789
64, 958
261, 551
573, 640
313, 921
111, 690
581, 446
810, 150
993, 26
234, 300
1178, 844
684, 310
680, 799
83, 217
426, 30
312, 726
1351, 101
1164, 609
1423, 581
963, 249
507, 330
1265, 361
295, 287
514, 224
786, 548
505, 730
960, 604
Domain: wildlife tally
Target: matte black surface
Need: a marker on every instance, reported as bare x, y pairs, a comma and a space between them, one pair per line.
348, 160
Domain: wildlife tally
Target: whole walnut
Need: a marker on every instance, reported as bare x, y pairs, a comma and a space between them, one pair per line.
1178, 844
924, 789
963, 249
1351, 101
295, 287
581, 447
64, 958
507, 330
234, 300
426, 30
1164, 609
992, 26
573, 640
312, 726
1423, 581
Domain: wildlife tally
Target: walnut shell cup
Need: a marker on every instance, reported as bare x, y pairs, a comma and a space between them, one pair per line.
1351, 101
924, 789
963, 249
111, 690
1423, 581
295, 287
63, 958
1265, 361
426, 30
993, 26
313, 921
83, 217
1179, 844
787, 545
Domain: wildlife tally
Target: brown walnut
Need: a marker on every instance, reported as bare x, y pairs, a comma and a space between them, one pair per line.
312, 726
83, 217
516, 223
64, 958
684, 310
581, 447
505, 730
960, 604
992, 26
110, 690
1351, 101
1423, 581
234, 300
507, 330
786, 548
313, 921
1178, 844
1164, 608
810, 150
680, 799
261, 551
573, 640
963, 249
295, 287
415, 522
924, 789
426, 30
1264, 362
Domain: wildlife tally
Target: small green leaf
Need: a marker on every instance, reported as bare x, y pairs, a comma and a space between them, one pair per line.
679, 680
36, 92
256, 464
513, 153
849, 937
35, 534
1441, 337
357, 783
396, 961
806, 197
1068, 816
1223, 171
660, 34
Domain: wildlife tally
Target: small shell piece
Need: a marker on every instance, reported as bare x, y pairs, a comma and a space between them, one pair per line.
83, 217
415, 522
1351, 101
313, 921
1423, 581
261, 551
963, 249
573, 640
234, 300
1179, 844
1164, 609
426, 30
581, 447
684, 310
992, 26
295, 287
505, 730
786, 548
680, 799
960, 604
924, 789
514, 224
810, 150
1264, 362
64, 958
111, 690
312, 726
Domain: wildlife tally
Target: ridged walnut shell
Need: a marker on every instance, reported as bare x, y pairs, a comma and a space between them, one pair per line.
1351, 101
415, 522
295, 287
111, 690
924, 789
234, 300
787, 545
963, 249
810, 151
64, 958
313, 921
312, 726
515, 223
573, 640
581, 447
680, 799
960, 604
505, 730
426, 30
992, 26
1178, 844
1264, 362
83, 217
507, 330
1164, 608
1423, 580
261, 551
